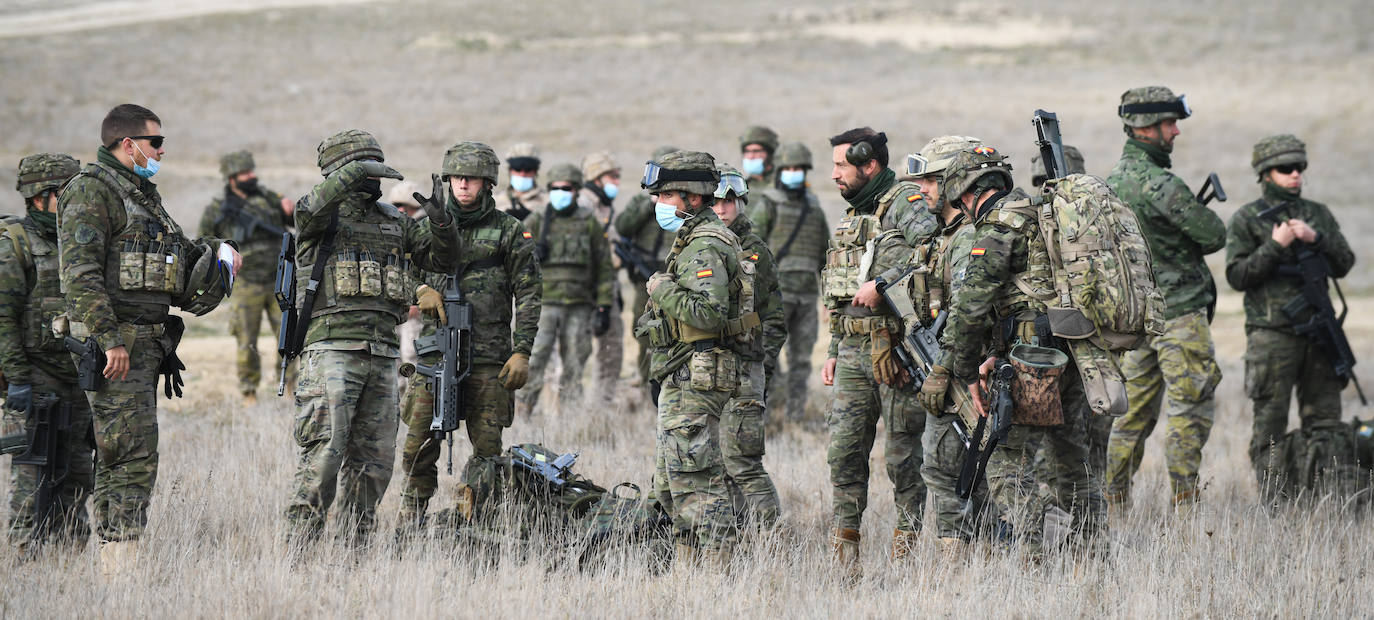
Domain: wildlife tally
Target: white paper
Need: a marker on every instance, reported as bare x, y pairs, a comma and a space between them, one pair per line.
226, 258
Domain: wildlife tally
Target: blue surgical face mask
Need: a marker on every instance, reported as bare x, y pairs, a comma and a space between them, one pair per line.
667, 217
792, 179
521, 184
611, 190
560, 199
153, 165
753, 166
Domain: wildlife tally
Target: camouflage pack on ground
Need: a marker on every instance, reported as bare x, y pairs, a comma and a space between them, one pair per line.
1325, 457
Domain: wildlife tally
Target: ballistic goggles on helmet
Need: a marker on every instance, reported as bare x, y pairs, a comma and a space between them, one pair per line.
1178, 106
655, 175
916, 165
731, 183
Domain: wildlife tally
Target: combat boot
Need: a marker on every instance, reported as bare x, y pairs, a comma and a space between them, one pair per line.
118, 557
902, 543
844, 549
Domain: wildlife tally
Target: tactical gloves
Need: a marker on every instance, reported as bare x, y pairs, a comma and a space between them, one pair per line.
886, 370
656, 281
19, 396
431, 301
603, 320
933, 391
434, 205
516, 372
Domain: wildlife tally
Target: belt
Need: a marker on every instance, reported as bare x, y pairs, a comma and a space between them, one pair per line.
849, 325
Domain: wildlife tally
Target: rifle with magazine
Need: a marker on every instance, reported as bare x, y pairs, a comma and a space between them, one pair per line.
975, 465
246, 222
454, 345
44, 445
285, 291
631, 255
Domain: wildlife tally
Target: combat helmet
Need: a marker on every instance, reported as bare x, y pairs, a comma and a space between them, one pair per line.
1073, 164
596, 164
471, 159
234, 163
566, 173
1277, 151
1147, 105
693, 172
793, 154
731, 182
347, 146
43, 172
935, 155
760, 135
967, 169
523, 156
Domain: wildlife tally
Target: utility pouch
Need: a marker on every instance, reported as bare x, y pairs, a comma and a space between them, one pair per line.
1035, 392
346, 274
173, 276
154, 266
652, 325
369, 276
395, 280
131, 266
727, 370
702, 367
411, 282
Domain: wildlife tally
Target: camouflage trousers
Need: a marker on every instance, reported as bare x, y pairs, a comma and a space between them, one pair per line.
570, 328
246, 305
69, 521
610, 349
645, 354
1022, 499
488, 409
346, 429
1176, 371
859, 401
943, 453
742, 445
125, 418
1276, 363
690, 467
1098, 430
802, 325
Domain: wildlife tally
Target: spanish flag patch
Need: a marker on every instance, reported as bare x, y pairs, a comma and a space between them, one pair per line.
978, 252
754, 257
704, 273
914, 197
528, 235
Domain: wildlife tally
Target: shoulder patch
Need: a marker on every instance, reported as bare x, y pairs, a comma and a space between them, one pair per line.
754, 257
705, 273
526, 234
978, 251
85, 234
488, 234
914, 197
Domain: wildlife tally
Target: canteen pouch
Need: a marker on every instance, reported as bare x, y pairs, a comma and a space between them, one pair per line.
1035, 391
369, 276
346, 274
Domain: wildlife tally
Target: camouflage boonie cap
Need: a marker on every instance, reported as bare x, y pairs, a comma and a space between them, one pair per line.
471, 159
403, 194
523, 156
731, 182
967, 166
1277, 151
1147, 105
596, 164
236, 162
44, 171
935, 155
1073, 162
566, 173
664, 150
792, 154
347, 146
760, 135
685, 161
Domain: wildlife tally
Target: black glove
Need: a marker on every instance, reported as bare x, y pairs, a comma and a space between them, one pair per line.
434, 205
171, 365
19, 396
603, 320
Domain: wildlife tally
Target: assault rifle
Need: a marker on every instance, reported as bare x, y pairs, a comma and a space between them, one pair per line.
90, 365
630, 254
45, 446
455, 364
555, 472
918, 347
975, 465
285, 292
1312, 314
1213, 183
232, 208
1051, 144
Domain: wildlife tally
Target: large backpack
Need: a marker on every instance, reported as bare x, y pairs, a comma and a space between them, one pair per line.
1324, 457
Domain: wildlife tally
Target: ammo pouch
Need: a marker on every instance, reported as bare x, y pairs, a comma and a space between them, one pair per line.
713, 368
653, 326
1035, 392
155, 265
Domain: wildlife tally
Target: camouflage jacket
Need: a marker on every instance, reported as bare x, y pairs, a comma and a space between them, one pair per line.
1003, 247
29, 300
577, 266
363, 323
891, 256
699, 293
946, 255
500, 279
521, 204
777, 215
1179, 229
637, 225
767, 296
1253, 258
260, 248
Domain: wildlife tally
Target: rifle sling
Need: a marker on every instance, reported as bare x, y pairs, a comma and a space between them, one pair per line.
322, 258
796, 230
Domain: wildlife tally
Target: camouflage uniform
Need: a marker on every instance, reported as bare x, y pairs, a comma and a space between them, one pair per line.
636, 225
346, 397
610, 346
1178, 367
768, 139
520, 204
110, 222
1008, 245
255, 223
795, 227
1277, 360
577, 278
500, 278
30, 355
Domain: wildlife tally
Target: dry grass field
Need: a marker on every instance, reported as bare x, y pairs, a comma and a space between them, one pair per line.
276, 76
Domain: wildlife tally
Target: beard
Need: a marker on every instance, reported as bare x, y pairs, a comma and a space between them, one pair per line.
859, 183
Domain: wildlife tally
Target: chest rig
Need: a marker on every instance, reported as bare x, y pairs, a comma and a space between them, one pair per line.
369, 270
45, 300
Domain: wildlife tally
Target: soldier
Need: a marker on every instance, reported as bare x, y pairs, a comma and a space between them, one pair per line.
756, 147
1177, 369
983, 309
695, 323
742, 424
524, 195
861, 363
36, 363
499, 276
600, 186
788, 216
346, 396
640, 235
402, 196
1257, 252
254, 217
575, 264
124, 263
1073, 161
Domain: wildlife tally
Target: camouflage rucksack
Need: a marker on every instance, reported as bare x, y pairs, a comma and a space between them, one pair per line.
1325, 457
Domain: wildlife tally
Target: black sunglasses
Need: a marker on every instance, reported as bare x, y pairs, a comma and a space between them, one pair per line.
1290, 168
154, 141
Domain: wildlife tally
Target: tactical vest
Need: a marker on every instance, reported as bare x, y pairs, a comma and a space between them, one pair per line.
147, 263
743, 322
45, 300
806, 251
849, 258
1034, 284
570, 249
365, 274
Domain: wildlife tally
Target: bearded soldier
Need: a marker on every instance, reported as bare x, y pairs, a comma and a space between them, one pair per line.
346, 398
788, 216
649, 243
499, 275
1176, 371
523, 194
37, 364
254, 217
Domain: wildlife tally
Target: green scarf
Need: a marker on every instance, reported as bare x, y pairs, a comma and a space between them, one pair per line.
46, 221
1274, 194
104, 156
866, 201
1155, 152
470, 218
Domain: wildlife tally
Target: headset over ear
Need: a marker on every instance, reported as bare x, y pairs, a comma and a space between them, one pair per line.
861, 152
